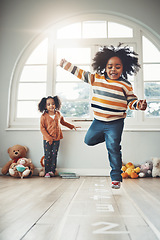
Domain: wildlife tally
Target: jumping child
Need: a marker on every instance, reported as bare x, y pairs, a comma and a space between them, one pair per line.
51, 131
112, 94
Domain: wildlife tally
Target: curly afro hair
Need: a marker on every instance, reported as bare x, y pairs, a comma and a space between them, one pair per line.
42, 103
128, 58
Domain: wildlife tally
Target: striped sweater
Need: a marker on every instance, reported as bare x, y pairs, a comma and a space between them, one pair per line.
110, 98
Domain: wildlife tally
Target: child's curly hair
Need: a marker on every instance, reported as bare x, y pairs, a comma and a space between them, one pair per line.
42, 103
129, 61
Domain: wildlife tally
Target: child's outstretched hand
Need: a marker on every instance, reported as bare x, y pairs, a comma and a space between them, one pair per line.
75, 128
63, 60
142, 105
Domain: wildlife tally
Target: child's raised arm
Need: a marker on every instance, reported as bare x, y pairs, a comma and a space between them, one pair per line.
83, 75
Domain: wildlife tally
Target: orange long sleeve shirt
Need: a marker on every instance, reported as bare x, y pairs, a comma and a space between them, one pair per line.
51, 128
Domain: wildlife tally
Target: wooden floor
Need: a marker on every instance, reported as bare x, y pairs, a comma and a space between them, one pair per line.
79, 209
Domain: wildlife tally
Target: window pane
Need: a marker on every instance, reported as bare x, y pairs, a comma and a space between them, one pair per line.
74, 55
150, 52
116, 30
131, 78
75, 109
73, 91
34, 74
153, 109
31, 91
28, 109
39, 55
63, 75
94, 29
150, 72
70, 31
152, 90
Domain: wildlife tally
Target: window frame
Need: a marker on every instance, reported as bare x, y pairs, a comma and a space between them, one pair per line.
139, 123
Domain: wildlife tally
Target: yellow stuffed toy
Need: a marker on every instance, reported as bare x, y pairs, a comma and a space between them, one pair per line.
129, 171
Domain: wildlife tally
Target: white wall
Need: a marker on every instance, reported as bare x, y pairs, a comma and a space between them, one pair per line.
20, 21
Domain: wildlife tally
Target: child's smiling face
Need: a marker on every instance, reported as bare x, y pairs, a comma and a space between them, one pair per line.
50, 106
114, 68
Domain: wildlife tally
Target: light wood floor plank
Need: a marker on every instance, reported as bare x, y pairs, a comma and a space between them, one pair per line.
146, 200
79, 209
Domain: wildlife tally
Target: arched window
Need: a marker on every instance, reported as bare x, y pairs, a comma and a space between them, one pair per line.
37, 73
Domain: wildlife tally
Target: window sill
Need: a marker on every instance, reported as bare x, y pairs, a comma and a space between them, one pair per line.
84, 129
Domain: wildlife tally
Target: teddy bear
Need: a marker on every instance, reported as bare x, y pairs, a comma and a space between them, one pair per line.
156, 167
129, 170
15, 152
42, 170
146, 169
23, 168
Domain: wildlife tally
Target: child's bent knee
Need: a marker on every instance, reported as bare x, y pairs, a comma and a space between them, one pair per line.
88, 142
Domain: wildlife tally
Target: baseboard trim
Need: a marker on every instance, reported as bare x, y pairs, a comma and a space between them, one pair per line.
79, 171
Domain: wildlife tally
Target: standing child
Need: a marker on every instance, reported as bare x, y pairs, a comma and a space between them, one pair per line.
112, 94
51, 131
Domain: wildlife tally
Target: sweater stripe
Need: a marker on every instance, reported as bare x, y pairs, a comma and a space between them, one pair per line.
107, 86
102, 116
74, 70
80, 73
113, 103
67, 66
108, 94
86, 77
106, 109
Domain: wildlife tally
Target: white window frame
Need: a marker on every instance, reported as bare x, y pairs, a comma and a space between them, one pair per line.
139, 123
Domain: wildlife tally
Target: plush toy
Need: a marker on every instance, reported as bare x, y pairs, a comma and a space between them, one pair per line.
146, 169
129, 170
23, 168
156, 167
42, 170
15, 152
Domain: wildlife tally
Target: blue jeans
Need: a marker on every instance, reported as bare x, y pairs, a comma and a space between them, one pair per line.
50, 155
111, 133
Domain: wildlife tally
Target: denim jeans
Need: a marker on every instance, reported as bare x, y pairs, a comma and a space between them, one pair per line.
50, 155
111, 133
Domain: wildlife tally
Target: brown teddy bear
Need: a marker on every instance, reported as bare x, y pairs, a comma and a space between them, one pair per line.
23, 168
15, 152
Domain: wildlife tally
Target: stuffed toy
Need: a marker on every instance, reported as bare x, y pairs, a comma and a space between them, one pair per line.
146, 169
15, 152
130, 171
42, 170
23, 168
156, 167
